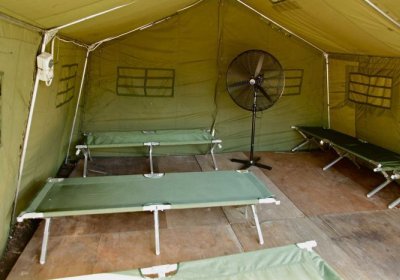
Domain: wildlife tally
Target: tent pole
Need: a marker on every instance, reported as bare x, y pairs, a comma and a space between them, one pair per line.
90, 17
28, 129
77, 105
327, 89
376, 8
143, 27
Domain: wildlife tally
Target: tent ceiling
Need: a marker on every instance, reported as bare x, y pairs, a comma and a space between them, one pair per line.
340, 26
48, 14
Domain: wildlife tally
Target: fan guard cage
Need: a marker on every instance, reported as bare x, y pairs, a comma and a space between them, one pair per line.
255, 72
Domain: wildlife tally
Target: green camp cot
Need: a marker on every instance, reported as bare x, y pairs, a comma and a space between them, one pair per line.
149, 139
133, 193
295, 261
384, 161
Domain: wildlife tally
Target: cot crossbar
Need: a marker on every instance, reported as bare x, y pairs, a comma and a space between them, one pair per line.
133, 193
383, 161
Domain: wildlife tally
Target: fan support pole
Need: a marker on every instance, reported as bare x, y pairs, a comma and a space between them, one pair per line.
252, 161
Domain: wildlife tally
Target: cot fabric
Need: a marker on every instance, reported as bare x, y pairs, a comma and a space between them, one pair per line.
137, 138
113, 194
366, 151
384, 161
281, 263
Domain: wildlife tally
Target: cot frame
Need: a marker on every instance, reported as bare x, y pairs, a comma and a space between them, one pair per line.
161, 271
85, 150
155, 208
390, 174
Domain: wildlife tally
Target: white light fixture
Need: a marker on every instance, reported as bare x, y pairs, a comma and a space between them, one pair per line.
45, 65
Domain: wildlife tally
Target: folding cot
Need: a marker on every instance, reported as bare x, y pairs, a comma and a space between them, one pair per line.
149, 139
297, 261
132, 193
384, 161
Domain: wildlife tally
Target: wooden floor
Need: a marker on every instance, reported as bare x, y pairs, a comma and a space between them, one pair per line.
358, 237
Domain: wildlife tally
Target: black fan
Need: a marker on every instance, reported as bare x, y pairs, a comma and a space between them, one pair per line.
255, 80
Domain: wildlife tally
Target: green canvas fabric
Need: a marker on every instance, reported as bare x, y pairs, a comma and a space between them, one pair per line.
273, 131
343, 27
379, 126
350, 27
200, 53
184, 43
113, 194
198, 44
51, 124
281, 263
18, 49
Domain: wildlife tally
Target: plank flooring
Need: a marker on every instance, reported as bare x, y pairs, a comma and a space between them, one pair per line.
358, 237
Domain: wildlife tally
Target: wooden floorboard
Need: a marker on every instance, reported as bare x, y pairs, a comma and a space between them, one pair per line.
340, 189
371, 239
357, 236
295, 230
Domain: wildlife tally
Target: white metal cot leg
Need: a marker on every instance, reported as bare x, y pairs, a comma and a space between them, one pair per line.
334, 162
378, 188
86, 154
213, 156
156, 232
85, 163
260, 236
45, 240
156, 208
306, 139
152, 174
394, 203
301, 145
151, 159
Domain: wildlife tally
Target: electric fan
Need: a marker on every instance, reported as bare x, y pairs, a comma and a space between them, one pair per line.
255, 81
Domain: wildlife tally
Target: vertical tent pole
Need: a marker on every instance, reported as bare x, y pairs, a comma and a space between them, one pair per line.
45, 240
77, 108
327, 89
28, 128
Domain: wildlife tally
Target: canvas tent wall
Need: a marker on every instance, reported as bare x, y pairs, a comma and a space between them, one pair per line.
197, 39
198, 52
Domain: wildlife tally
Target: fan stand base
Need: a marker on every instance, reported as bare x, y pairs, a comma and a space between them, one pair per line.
248, 163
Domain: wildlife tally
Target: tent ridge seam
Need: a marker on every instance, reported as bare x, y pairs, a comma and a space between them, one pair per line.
147, 25
21, 23
282, 27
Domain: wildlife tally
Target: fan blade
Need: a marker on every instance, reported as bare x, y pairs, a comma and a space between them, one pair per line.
259, 65
260, 88
238, 84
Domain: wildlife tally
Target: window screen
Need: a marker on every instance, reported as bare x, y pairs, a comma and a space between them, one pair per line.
371, 90
293, 81
66, 85
145, 82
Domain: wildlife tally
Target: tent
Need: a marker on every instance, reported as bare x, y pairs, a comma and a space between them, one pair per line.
341, 62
